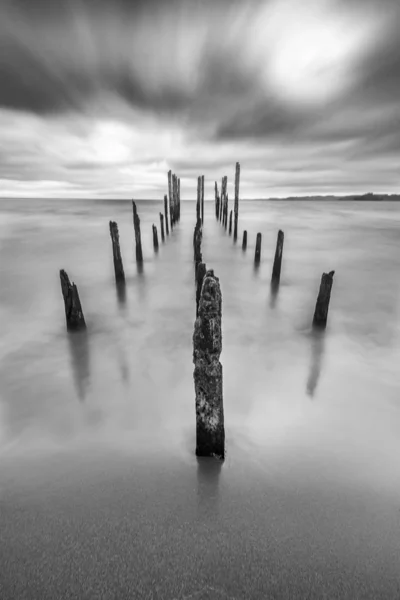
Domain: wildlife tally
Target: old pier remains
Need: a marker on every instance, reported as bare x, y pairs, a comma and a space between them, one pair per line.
257, 256
207, 347
236, 206
324, 296
73, 309
162, 227
276, 270
138, 238
118, 266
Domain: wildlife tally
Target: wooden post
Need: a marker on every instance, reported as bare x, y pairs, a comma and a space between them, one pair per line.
198, 204
276, 271
73, 309
155, 238
138, 238
175, 197
223, 198
166, 213
207, 347
200, 274
244, 243
324, 296
226, 211
230, 223
118, 266
258, 249
216, 201
162, 227
171, 211
202, 199
179, 199
237, 180
198, 234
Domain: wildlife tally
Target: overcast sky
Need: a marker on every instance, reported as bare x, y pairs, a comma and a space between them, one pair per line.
101, 98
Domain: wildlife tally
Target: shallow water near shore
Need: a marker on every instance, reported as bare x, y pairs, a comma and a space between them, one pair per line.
101, 495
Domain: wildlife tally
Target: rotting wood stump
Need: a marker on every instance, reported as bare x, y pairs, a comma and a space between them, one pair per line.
276, 270
324, 296
138, 237
73, 309
207, 347
197, 238
118, 266
244, 242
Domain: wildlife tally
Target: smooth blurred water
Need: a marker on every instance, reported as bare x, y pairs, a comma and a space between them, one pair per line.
101, 495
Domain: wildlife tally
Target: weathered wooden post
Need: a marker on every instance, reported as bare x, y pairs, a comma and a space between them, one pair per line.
223, 198
166, 213
162, 227
171, 210
155, 238
276, 270
138, 238
198, 234
118, 266
216, 201
226, 211
244, 242
236, 207
179, 199
198, 204
200, 274
175, 197
202, 199
73, 309
257, 255
324, 296
207, 347
230, 223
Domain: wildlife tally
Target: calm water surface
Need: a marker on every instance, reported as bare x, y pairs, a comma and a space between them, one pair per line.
101, 495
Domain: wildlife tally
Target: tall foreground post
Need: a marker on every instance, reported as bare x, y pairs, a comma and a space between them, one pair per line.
162, 227
324, 296
138, 237
118, 266
257, 255
166, 213
236, 206
276, 270
73, 309
207, 347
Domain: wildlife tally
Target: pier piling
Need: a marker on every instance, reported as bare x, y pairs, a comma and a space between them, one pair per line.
207, 347
324, 296
118, 266
73, 309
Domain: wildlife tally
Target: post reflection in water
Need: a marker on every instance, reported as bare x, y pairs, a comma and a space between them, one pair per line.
80, 361
121, 292
317, 351
208, 475
273, 294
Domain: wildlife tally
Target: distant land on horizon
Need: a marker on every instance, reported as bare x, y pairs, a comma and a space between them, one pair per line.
370, 196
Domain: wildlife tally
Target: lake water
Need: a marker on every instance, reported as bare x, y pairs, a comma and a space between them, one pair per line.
101, 495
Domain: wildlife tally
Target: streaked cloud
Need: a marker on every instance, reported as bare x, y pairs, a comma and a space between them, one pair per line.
101, 99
